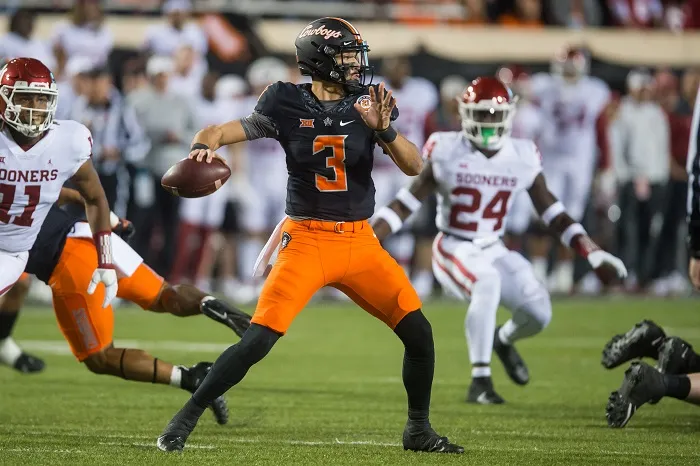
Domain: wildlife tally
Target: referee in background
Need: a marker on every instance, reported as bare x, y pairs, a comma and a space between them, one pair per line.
693, 167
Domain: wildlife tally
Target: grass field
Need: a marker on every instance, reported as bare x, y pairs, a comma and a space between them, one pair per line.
331, 393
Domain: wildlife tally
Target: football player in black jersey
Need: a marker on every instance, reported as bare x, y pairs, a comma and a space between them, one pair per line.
328, 130
64, 258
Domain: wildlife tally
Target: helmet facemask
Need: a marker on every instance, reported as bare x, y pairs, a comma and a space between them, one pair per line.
21, 115
353, 73
486, 123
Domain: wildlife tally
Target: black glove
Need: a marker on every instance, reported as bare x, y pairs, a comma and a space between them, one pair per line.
125, 229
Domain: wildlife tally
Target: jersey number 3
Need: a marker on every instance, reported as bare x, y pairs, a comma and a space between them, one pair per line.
7, 191
336, 161
495, 210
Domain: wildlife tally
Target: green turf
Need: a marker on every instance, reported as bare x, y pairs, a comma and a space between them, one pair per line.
335, 380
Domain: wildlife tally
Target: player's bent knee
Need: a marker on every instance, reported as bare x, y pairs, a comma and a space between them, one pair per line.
98, 363
416, 334
539, 310
257, 341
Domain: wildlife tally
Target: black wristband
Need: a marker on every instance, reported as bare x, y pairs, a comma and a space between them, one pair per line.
198, 145
388, 135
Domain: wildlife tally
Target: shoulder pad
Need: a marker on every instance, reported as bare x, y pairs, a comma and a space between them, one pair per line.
437, 142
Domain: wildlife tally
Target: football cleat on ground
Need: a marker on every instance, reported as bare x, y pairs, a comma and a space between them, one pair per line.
193, 377
28, 364
676, 356
175, 435
512, 362
429, 441
233, 318
642, 384
641, 341
481, 392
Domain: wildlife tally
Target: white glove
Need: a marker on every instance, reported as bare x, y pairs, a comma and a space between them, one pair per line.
599, 258
109, 278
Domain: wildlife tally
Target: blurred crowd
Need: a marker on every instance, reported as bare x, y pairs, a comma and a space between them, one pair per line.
635, 146
675, 15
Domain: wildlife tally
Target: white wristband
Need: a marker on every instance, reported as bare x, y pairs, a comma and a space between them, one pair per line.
552, 212
571, 231
407, 198
113, 219
390, 216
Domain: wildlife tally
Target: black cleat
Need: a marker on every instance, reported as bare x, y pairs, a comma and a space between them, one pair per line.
642, 384
641, 341
193, 377
179, 428
512, 362
676, 356
481, 392
429, 441
28, 364
233, 318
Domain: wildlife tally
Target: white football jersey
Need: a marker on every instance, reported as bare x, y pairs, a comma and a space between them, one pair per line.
475, 192
416, 99
572, 110
30, 181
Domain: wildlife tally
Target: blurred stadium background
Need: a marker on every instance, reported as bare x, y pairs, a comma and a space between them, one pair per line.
145, 75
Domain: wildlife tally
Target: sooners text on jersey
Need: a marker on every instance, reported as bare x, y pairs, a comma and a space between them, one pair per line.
30, 181
475, 192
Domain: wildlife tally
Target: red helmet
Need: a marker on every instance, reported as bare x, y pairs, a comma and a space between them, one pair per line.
571, 62
22, 76
517, 78
487, 107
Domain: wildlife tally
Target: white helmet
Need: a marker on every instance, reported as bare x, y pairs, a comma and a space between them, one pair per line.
267, 70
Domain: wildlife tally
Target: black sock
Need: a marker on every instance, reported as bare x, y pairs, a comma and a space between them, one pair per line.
7, 322
418, 367
234, 362
677, 386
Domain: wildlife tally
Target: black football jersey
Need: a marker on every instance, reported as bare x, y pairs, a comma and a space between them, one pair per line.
328, 151
47, 249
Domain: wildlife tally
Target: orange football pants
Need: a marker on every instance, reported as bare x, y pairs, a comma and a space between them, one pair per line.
86, 325
344, 255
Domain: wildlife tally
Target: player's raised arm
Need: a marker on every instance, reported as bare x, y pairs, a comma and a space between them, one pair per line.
390, 218
377, 116
572, 234
257, 125
98, 214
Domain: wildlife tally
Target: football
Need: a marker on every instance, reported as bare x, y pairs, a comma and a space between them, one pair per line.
189, 178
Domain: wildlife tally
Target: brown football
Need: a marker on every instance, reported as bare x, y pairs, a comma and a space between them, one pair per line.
189, 178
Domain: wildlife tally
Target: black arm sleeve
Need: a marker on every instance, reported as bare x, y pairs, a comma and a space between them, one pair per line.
257, 126
693, 167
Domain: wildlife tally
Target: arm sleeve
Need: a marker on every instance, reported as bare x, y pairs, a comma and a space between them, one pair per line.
262, 123
257, 126
693, 167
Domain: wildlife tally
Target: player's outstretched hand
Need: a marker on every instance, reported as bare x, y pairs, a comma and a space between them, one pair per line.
378, 115
109, 278
606, 266
205, 155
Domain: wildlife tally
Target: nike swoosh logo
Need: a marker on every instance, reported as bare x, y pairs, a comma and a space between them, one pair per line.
483, 399
343, 123
220, 315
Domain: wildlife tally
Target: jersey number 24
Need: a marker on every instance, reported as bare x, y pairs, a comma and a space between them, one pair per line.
494, 210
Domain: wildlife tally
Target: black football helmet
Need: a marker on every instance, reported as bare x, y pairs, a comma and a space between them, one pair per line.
321, 41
